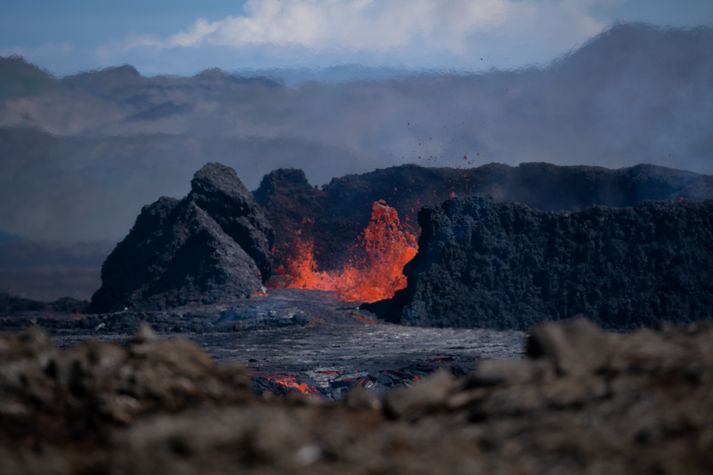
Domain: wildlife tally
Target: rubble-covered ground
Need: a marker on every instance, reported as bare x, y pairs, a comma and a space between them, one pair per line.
584, 401
294, 339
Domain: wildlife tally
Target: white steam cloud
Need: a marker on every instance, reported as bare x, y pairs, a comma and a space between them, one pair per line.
388, 26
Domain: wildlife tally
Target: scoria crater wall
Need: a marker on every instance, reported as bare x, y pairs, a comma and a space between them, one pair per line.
336, 214
506, 265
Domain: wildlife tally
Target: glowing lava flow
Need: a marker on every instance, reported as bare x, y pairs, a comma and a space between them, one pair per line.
374, 270
290, 382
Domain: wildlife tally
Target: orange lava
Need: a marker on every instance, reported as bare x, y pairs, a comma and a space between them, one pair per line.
290, 382
374, 270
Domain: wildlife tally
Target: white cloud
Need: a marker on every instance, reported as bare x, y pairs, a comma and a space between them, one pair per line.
368, 25
413, 32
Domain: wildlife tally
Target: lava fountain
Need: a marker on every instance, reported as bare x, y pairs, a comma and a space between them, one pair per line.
374, 269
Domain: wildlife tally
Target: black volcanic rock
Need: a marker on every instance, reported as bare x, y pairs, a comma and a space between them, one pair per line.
291, 205
285, 182
483, 264
217, 189
338, 212
202, 248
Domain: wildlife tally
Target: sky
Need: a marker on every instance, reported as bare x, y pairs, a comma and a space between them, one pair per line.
187, 36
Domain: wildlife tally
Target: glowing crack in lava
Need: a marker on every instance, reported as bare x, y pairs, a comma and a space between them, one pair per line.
374, 270
290, 382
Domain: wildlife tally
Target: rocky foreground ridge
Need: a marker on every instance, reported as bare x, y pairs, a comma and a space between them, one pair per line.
584, 401
483, 264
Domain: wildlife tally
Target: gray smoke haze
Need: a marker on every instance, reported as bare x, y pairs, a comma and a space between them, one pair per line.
80, 155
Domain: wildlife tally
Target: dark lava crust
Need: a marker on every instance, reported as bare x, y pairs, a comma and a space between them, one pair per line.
307, 336
482, 264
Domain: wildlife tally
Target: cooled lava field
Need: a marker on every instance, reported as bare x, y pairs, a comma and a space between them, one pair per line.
301, 340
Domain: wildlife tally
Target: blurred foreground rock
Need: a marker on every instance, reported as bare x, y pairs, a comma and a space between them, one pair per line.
584, 401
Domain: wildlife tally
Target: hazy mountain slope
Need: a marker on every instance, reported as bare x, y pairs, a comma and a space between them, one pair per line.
635, 94
20, 78
44, 270
31, 97
92, 188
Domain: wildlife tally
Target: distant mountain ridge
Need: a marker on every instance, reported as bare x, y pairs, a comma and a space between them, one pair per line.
80, 154
18, 78
21, 78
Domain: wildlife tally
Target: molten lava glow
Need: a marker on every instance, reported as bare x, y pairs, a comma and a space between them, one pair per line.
290, 382
374, 270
